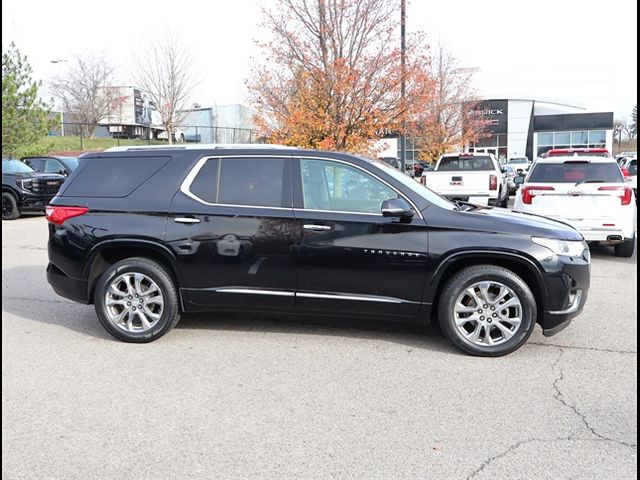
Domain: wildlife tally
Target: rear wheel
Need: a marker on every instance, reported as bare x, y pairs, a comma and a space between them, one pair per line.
626, 248
136, 300
504, 203
9, 207
487, 311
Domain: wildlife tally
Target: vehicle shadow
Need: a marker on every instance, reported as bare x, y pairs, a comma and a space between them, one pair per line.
26, 294
605, 253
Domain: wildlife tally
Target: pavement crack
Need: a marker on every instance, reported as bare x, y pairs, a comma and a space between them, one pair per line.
560, 397
591, 349
490, 460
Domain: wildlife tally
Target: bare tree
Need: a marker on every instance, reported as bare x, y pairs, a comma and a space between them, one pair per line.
620, 128
81, 93
165, 72
451, 125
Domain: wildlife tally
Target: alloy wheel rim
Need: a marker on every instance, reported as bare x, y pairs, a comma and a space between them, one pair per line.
134, 302
487, 313
6, 207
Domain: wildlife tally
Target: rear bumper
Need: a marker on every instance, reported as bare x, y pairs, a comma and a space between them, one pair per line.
65, 286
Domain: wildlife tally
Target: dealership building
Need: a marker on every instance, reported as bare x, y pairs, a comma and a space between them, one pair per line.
528, 127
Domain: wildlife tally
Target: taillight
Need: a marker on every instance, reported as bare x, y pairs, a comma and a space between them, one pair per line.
59, 214
625, 193
423, 179
625, 172
528, 193
493, 182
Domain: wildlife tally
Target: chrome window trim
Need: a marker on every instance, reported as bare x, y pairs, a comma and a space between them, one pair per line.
255, 291
186, 183
188, 180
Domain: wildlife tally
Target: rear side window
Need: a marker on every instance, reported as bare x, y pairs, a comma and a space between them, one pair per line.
113, 177
477, 162
242, 181
574, 172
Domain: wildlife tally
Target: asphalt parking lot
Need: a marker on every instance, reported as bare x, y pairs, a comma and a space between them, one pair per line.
262, 397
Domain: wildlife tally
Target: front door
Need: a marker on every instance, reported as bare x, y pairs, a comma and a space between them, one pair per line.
233, 231
350, 258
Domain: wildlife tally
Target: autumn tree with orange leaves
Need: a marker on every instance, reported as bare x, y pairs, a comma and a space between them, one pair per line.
449, 122
331, 75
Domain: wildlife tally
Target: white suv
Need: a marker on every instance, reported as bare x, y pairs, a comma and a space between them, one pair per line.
589, 193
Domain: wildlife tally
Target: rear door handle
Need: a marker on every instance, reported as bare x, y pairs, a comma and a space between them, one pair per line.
186, 220
317, 228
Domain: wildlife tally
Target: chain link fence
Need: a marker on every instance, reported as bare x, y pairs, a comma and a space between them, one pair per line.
76, 136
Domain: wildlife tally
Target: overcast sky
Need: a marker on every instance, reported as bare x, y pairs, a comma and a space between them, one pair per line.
580, 51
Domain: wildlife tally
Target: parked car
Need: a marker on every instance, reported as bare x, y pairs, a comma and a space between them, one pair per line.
583, 152
630, 171
388, 249
392, 161
24, 189
588, 193
521, 164
61, 165
469, 177
510, 173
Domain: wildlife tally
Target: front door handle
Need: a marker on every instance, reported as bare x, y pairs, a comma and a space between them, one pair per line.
317, 228
186, 220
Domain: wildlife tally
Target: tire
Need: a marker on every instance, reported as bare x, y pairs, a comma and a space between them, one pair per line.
125, 273
626, 248
498, 277
9, 207
504, 203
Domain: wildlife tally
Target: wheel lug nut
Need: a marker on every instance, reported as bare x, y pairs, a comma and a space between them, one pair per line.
495, 315
479, 311
493, 308
134, 308
130, 296
481, 319
485, 306
488, 320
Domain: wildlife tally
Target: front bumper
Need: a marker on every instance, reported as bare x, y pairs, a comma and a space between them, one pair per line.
568, 281
33, 202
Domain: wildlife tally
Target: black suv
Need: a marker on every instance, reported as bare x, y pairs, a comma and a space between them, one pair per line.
149, 233
24, 189
61, 165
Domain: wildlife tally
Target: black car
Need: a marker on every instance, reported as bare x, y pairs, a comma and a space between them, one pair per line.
146, 234
24, 189
60, 165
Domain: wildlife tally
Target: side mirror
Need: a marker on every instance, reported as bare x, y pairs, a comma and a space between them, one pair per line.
503, 169
519, 180
398, 208
62, 171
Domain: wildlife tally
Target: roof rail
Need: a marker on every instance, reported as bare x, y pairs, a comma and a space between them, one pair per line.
201, 146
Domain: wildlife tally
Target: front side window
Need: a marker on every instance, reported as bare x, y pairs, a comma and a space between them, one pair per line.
256, 182
53, 166
335, 186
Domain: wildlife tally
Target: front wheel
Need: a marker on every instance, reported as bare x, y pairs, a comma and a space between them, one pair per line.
9, 207
487, 310
136, 300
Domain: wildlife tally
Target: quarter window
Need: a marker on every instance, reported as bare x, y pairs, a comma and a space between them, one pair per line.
337, 187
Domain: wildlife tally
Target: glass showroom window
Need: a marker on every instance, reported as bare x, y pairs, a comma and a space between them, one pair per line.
597, 138
579, 139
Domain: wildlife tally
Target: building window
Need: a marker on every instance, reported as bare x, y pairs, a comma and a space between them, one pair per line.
576, 139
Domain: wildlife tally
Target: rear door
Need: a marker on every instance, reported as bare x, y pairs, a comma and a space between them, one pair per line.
232, 228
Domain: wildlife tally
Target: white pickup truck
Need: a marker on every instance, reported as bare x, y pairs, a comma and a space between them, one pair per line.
469, 177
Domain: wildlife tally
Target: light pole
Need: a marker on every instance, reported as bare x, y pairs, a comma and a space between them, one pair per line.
403, 138
59, 61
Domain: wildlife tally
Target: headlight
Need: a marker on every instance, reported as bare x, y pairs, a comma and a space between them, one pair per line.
25, 184
562, 247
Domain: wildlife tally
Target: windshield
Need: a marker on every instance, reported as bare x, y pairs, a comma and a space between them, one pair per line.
15, 166
424, 192
70, 162
457, 163
575, 172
